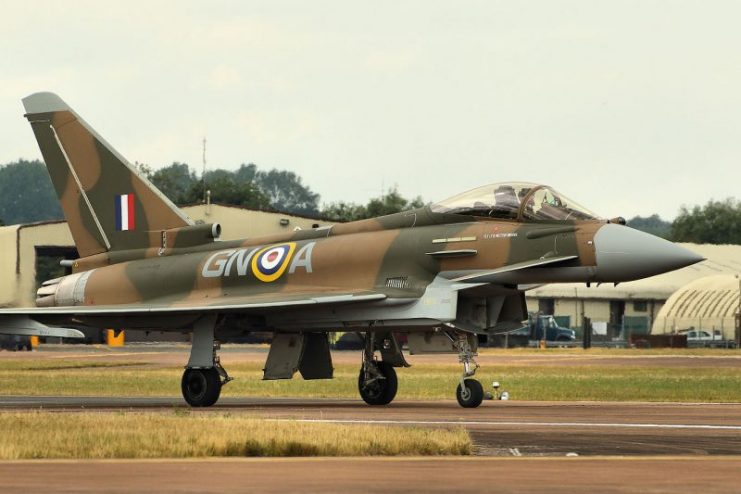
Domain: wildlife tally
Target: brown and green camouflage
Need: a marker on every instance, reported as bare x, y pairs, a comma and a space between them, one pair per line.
445, 271
163, 261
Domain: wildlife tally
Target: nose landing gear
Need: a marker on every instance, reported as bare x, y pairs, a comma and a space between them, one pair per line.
470, 392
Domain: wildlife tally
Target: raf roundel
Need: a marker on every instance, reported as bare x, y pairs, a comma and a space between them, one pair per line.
269, 263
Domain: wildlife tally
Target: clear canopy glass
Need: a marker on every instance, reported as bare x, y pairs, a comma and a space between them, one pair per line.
518, 201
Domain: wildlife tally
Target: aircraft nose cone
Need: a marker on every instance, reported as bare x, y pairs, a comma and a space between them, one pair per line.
625, 254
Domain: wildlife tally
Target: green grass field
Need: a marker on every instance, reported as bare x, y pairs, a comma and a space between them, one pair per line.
547, 381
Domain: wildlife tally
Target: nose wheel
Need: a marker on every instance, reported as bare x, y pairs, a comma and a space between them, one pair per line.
469, 393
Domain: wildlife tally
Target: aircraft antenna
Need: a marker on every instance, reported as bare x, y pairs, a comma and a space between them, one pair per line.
203, 176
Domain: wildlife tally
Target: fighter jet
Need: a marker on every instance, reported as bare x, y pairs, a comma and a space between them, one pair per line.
441, 274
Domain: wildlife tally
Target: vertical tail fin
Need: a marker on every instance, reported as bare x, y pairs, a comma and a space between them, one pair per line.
107, 204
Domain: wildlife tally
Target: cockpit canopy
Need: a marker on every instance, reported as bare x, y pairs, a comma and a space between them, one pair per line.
517, 201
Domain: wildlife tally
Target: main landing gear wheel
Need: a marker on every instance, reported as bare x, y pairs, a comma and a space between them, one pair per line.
201, 387
377, 383
471, 394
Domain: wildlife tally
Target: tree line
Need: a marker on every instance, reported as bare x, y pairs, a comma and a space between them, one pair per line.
27, 195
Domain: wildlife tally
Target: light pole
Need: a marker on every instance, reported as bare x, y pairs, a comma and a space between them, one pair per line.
738, 315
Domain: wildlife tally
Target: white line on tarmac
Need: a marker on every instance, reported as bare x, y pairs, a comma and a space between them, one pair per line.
532, 424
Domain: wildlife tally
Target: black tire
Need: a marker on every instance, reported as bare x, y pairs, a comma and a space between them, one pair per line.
382, 391
201, 387
472, 396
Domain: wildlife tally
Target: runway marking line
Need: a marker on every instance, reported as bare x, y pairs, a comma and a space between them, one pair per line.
511, 423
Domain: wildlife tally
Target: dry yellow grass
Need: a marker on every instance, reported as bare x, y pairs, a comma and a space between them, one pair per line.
183, 434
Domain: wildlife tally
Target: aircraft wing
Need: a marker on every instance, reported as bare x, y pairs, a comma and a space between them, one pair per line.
226, 304
17, 324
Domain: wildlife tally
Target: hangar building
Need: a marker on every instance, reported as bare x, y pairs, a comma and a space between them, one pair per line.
711, 304
632, 307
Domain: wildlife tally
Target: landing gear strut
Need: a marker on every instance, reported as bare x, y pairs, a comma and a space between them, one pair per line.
470, 392
204, 376
377, 381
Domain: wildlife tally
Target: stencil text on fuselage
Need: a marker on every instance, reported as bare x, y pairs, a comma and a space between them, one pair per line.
242, 261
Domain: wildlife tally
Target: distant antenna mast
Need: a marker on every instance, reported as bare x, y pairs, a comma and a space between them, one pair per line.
203, 176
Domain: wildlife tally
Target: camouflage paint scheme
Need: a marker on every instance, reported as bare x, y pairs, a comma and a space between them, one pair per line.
143, 264
167, 262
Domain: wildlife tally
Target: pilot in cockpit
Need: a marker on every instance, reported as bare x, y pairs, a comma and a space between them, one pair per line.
514, 201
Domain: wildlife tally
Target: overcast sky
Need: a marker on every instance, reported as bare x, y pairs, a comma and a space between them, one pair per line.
627, 107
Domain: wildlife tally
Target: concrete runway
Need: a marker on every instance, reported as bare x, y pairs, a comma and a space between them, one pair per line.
498, 428
407, 475
519, 446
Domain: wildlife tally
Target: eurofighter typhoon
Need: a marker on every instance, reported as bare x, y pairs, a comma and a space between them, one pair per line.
441, 274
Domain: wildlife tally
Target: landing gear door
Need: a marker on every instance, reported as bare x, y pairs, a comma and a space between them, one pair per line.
307, 353
436, 342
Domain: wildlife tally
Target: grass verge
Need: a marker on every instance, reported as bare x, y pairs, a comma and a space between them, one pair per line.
420, 382
184, 435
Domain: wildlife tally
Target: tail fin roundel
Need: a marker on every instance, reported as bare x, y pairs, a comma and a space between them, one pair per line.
107, 204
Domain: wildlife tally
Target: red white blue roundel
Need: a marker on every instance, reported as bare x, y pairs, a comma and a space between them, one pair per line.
269, 263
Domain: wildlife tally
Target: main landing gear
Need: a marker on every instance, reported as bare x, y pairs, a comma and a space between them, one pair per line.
470, 392
204, 376
377, 381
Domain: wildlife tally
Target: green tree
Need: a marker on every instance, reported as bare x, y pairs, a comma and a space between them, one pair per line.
390, 203
276, 189
286, 192
344, 211
717, 222
651, 224
175, 181
27, 194
246, 173
144, 169
225, 190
